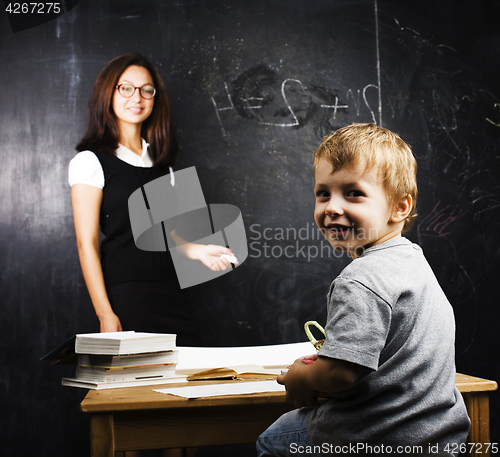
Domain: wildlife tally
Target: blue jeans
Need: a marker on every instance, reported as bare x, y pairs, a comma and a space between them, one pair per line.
287, 437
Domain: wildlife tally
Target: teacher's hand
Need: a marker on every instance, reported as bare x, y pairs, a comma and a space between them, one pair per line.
210, 256
110, 323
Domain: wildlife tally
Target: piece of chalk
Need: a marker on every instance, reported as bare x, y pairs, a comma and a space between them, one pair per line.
229, 258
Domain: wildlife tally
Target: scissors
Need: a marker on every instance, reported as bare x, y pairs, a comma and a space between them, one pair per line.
317, 344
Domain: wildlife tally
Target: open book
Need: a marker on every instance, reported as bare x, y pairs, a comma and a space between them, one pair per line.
247, 362
236, 372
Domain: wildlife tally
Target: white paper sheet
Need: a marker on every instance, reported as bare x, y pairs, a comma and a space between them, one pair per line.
215, 390
195, 359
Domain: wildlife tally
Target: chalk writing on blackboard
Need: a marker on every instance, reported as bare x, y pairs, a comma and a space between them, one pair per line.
260, 95
490, 121
289, 110
437, 222
336, 106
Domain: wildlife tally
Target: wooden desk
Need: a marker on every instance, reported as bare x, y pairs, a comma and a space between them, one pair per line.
138, 418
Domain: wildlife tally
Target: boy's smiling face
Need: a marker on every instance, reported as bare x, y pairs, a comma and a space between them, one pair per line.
352, 208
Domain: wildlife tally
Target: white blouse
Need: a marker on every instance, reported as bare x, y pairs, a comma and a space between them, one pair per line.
85, 167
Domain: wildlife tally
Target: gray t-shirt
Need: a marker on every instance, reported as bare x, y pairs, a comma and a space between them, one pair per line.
387, 313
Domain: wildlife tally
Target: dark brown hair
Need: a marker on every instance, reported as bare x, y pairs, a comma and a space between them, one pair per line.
102, 130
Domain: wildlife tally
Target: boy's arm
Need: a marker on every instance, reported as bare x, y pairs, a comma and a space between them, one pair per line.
303, 382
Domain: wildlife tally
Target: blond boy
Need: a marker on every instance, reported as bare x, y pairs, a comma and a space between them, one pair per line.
387, 366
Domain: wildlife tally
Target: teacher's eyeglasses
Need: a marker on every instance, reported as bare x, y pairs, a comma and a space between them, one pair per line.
127, 90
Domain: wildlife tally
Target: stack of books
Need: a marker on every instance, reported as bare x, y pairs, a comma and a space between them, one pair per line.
121, 359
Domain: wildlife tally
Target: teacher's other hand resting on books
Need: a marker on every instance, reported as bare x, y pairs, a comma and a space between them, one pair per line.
306, 381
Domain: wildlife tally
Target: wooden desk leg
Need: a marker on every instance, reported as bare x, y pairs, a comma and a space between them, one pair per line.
478, 407
102, 435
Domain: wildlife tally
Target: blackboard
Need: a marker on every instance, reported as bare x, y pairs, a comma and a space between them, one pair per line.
254, 86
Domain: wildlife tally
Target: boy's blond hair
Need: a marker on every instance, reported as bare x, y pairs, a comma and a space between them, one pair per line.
378, 147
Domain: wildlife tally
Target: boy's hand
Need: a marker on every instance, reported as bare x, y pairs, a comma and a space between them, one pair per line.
297, 390
312, 377
309, 358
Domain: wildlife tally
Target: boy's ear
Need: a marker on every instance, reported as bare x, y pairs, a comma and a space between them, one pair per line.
402, 209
